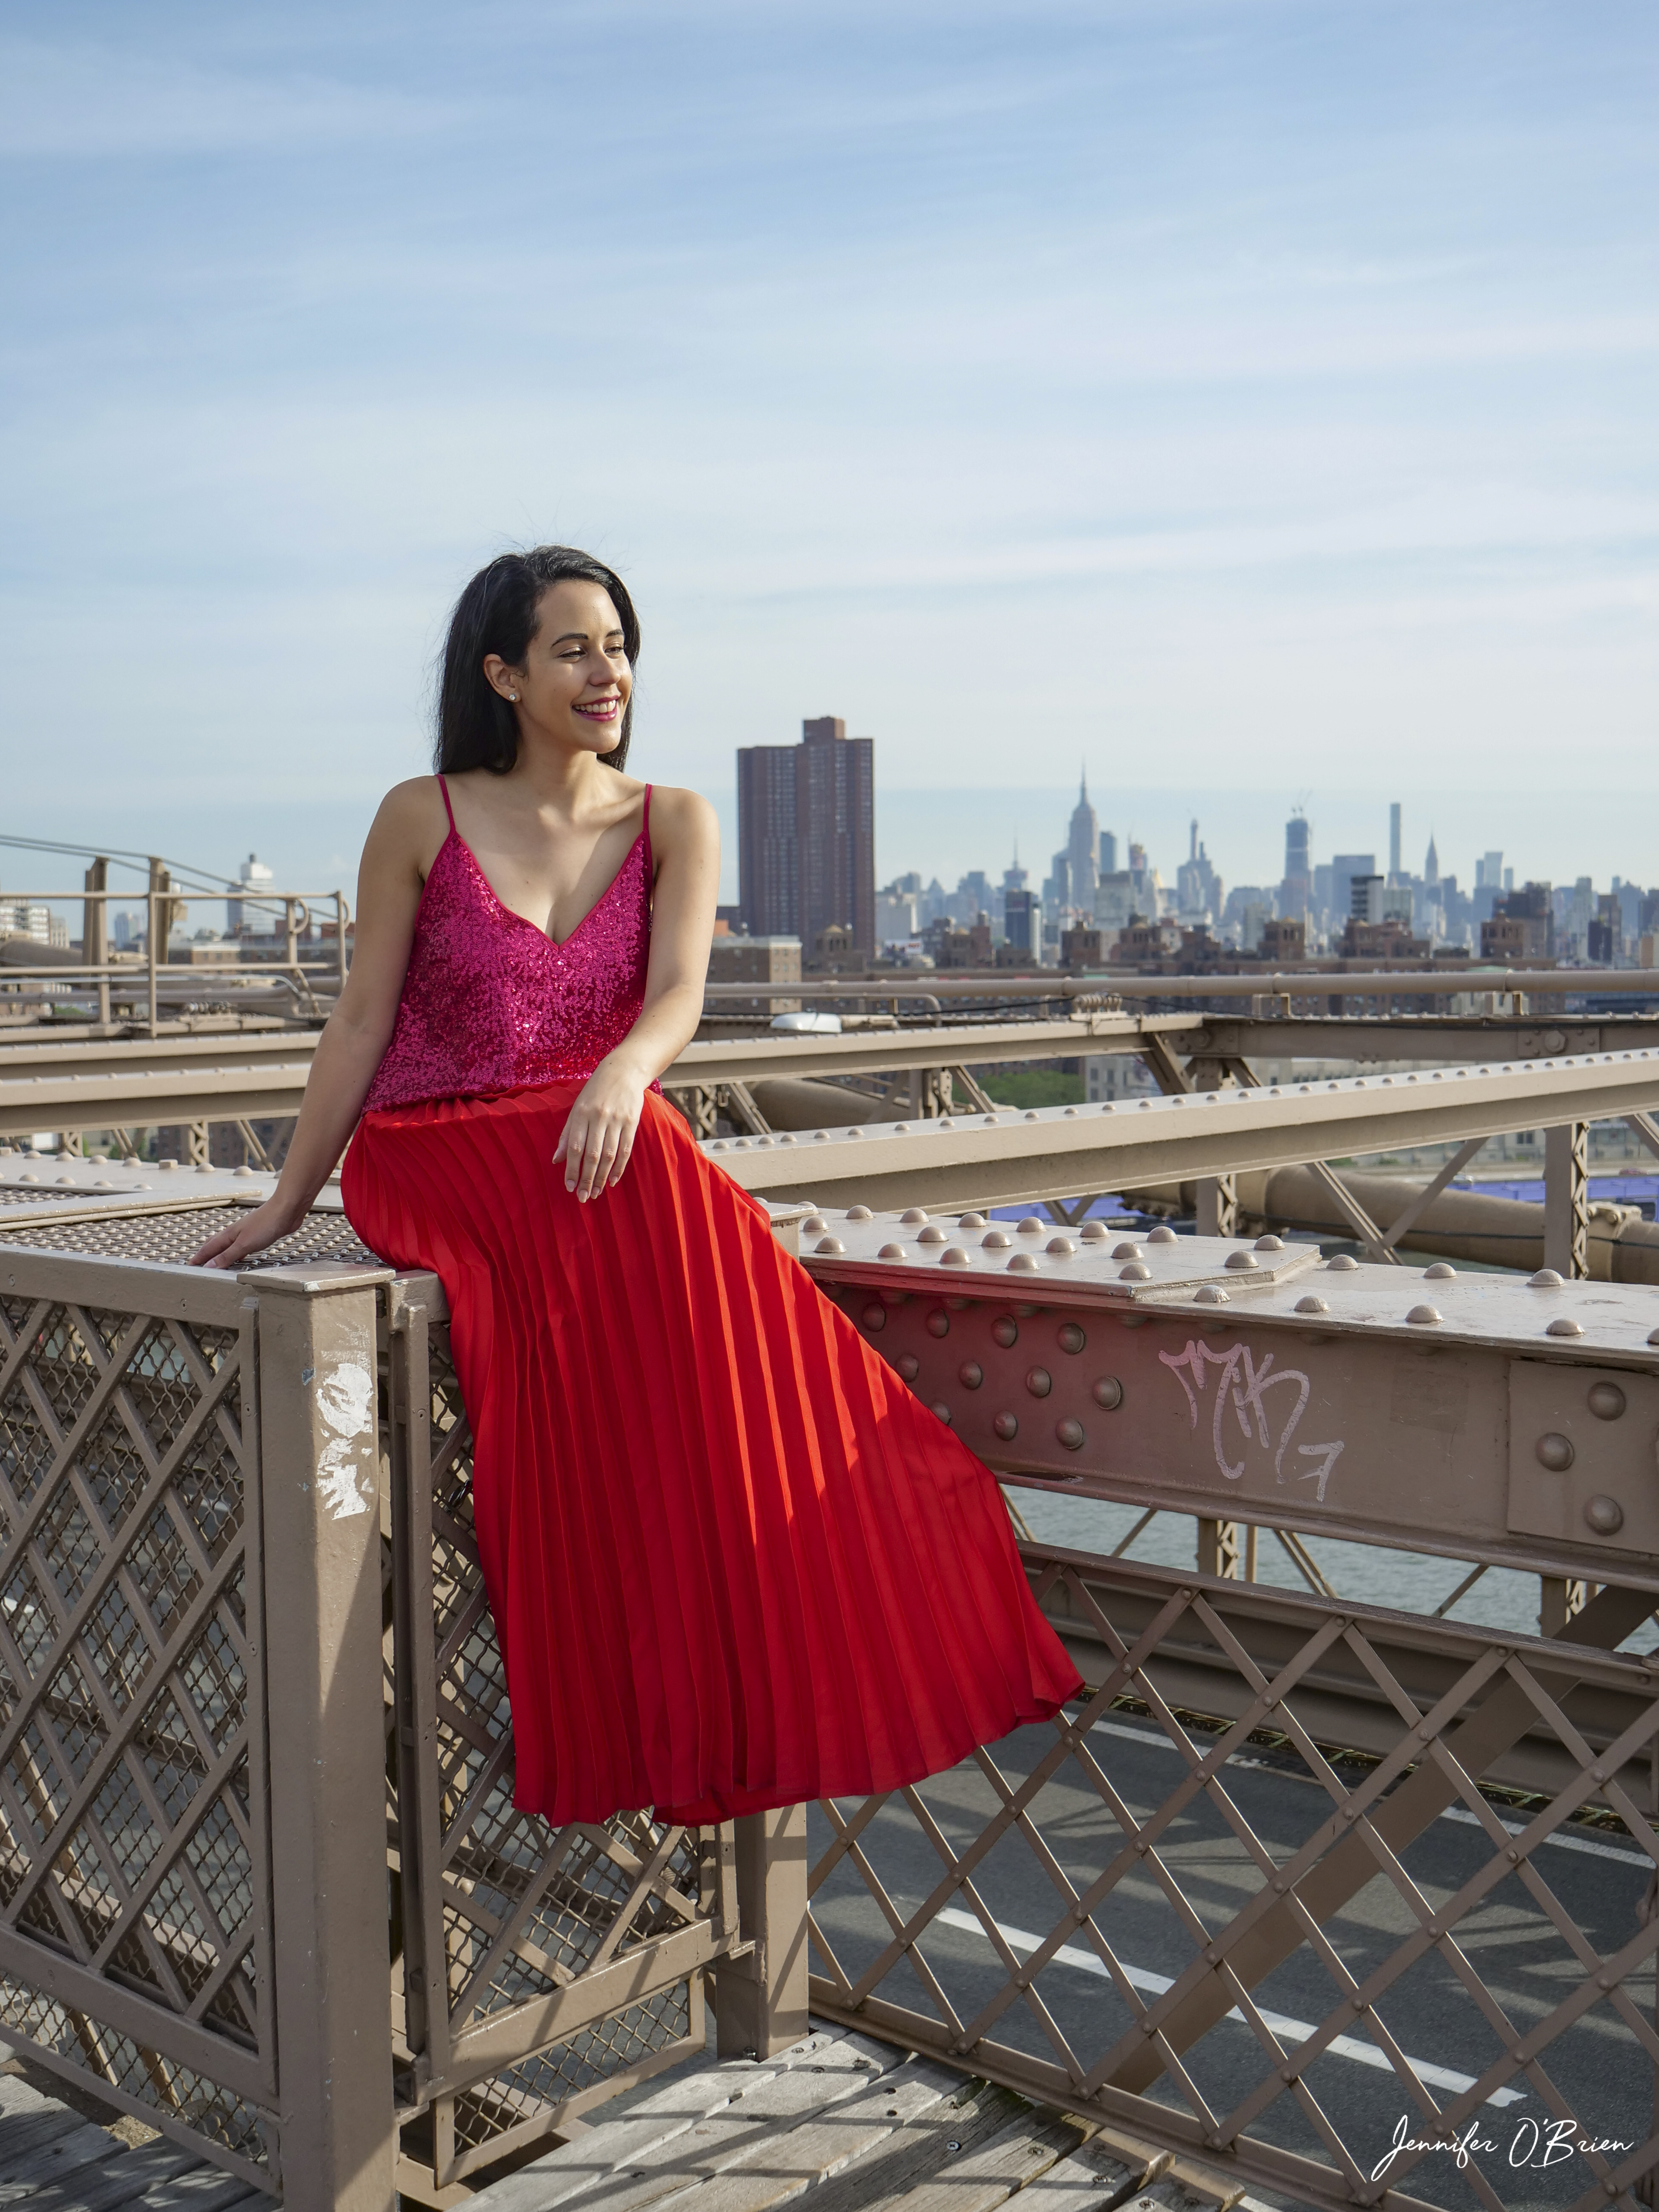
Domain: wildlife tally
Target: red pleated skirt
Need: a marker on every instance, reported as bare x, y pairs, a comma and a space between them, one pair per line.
733, 1562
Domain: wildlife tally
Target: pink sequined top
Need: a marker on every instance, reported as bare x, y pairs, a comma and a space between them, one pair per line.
490, 1003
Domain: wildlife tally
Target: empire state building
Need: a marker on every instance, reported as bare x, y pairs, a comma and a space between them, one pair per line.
1083, 848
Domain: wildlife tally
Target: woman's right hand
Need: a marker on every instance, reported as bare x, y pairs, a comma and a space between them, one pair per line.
265, 1225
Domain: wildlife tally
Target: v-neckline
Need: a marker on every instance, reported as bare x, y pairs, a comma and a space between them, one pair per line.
553, 944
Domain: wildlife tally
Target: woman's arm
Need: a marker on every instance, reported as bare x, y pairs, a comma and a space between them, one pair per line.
598, 1131
356, 1034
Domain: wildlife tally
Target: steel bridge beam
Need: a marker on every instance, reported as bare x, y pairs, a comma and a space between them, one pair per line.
1481, 1416
1385, 1037
127, 1083
1014, 1158
98, 1083
886, 1052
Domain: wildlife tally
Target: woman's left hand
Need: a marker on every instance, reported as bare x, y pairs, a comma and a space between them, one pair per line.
599, 1130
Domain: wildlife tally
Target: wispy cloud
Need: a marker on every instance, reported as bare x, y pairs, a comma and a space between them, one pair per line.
1216, 380
91, 101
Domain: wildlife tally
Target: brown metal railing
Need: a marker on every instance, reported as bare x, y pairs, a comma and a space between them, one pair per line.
222, 1502
1269, 1861
134, 1866
141, 979
1292, 1854
537, 1968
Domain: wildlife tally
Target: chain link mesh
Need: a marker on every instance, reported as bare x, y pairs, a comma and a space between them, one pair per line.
535, 2088
147, 2081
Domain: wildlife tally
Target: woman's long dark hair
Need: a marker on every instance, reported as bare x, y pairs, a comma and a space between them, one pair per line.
496, 613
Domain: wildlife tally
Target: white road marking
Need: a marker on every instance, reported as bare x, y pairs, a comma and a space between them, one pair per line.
1161, 1742
1278, 2023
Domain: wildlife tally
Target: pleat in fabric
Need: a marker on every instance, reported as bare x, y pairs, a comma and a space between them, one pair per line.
733, 1562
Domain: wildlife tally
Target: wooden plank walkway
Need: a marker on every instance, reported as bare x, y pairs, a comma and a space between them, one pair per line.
53, 2160
840, 2122
843, 2125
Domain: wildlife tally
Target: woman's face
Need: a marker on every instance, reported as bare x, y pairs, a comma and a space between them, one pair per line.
575, 679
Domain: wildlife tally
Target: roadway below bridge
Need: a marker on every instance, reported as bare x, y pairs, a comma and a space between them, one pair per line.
1598, 1879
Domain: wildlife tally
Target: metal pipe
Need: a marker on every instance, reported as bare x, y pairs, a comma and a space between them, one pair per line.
1311, 983
1459, 1224
152, 904
183, 896
70, 969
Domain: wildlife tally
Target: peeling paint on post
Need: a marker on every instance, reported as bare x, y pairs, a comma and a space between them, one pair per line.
345, 1467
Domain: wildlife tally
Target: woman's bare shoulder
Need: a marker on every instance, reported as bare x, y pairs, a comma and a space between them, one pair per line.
411, 822
683, 818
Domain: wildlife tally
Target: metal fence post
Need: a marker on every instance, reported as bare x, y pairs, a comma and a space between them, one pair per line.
322, 1564
1227, 1548
1218, 1206
94, 932
761, 1998
1566, 1199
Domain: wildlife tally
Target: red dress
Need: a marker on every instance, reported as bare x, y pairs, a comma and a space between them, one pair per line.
733, 1562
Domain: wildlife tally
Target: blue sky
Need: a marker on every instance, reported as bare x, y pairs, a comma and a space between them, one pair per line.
1253, 397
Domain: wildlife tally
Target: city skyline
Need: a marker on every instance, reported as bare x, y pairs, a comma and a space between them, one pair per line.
946, 832
1493, 907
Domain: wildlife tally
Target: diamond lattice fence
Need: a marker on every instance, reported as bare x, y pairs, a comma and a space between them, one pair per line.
501, 1913
1194, 1905
133, 1875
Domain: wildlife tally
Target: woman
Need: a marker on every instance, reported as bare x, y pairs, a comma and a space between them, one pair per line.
733, 1563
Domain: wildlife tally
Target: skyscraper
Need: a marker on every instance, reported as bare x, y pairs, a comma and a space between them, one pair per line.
769, 876
255, 877
1394, 842
1345, 866
806, 843
1198, 887
1296, 892
1431, 865
1083, 847
1022, 922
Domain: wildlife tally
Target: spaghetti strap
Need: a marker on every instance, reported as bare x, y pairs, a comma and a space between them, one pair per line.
650, 857
448, 809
